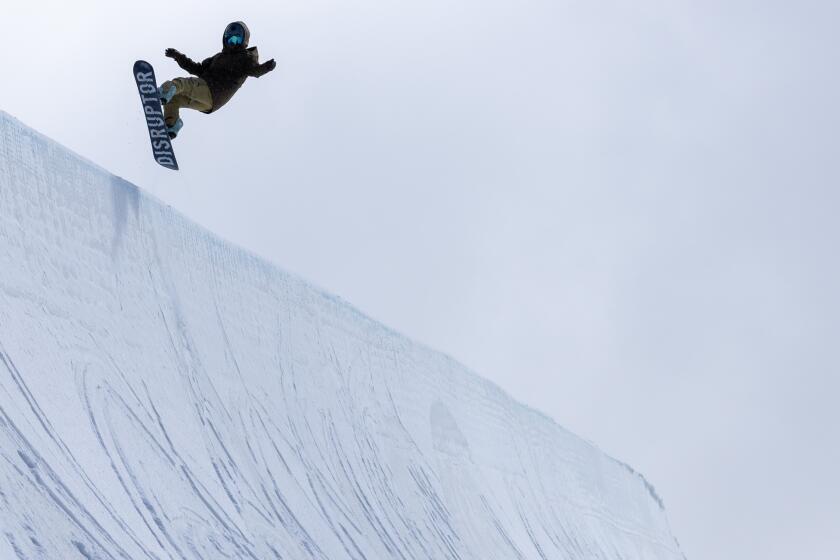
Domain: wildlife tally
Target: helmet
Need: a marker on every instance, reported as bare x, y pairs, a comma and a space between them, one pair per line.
236, 36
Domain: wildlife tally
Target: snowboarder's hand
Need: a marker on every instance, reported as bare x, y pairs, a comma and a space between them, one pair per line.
173, 53
270, 65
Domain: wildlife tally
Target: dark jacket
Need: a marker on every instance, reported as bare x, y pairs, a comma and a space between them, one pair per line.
226, 71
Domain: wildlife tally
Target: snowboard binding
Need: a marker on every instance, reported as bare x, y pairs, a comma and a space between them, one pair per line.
174, 129
167, 94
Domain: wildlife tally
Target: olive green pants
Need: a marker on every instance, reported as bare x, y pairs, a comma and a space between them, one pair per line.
191, 93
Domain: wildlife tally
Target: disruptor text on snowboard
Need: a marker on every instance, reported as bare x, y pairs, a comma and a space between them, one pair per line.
144, 76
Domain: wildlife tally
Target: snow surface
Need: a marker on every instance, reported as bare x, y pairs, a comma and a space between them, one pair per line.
164, 394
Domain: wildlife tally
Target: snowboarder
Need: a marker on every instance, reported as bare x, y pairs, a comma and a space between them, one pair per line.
217, 78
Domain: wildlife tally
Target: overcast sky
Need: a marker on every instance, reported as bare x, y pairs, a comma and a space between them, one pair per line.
624, 213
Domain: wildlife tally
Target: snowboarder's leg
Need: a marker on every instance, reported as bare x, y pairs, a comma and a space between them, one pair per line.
191, 93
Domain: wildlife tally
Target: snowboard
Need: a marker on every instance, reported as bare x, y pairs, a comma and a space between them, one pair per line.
144, 76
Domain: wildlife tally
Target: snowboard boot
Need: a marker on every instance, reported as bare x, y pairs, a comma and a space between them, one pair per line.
167, 94
174, 129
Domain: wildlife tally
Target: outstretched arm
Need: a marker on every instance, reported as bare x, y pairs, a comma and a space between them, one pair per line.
185, 62
262, 69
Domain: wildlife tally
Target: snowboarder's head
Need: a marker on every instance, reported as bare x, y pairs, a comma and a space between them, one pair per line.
236, 36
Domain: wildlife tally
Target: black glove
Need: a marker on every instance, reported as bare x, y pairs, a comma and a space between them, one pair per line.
270, 65
173, 53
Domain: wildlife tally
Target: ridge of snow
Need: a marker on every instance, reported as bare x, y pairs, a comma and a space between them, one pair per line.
164, 394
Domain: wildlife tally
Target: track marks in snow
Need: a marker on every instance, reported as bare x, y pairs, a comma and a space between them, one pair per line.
228, 409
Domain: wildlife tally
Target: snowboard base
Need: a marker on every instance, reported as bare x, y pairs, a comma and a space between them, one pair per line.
144, 77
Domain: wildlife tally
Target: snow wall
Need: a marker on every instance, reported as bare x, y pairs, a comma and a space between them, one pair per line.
164, 394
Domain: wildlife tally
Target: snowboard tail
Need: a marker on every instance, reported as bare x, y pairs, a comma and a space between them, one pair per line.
162, 149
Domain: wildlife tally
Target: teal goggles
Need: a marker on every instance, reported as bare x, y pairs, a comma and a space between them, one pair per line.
235, 40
